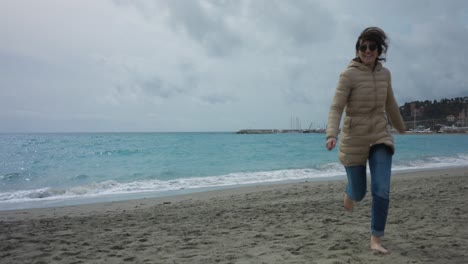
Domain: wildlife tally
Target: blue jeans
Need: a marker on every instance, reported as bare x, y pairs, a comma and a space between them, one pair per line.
380, 164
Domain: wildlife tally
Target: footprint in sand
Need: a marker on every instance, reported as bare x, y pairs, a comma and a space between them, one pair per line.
338, 247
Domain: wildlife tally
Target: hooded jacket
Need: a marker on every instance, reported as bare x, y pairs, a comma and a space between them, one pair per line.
367, 98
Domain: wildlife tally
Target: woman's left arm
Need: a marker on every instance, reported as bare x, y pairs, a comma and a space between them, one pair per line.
392, 109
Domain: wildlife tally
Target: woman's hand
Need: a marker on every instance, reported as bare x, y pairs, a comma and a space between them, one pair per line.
331, 143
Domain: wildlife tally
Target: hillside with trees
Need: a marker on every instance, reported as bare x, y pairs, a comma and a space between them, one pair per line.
435, 114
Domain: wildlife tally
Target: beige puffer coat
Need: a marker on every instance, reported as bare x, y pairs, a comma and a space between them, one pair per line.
369, 101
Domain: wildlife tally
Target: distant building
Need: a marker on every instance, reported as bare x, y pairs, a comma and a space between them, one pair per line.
451, 118
461, 121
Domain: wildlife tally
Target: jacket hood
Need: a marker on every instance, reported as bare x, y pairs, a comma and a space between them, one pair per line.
355, 63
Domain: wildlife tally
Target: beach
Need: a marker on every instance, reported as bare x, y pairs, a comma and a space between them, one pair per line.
300, 222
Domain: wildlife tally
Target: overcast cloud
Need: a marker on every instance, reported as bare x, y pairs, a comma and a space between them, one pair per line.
186, 65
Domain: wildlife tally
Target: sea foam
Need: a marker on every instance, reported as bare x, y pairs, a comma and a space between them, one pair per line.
112, 187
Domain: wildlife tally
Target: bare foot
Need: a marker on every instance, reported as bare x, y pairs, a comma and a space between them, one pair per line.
348, 203
377, 246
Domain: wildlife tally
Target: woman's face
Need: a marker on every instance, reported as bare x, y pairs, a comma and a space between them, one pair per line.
368, 52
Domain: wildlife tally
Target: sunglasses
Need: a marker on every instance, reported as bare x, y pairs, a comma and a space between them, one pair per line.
372, 47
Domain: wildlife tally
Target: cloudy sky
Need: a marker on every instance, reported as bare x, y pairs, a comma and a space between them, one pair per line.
211, 65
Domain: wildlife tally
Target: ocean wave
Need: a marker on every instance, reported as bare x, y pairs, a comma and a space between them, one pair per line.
10, 176
120, 152
112, 187
431, 162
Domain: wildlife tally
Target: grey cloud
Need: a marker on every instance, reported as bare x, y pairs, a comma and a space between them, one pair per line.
435, 60
146, 8
300, 84
217, 99
302, 21
209, 22
415, 10
209, 28
295, 94
157, 87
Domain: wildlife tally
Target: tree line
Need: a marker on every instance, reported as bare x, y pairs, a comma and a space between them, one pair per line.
433, 112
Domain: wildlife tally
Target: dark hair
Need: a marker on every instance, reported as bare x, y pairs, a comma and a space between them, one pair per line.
376, 35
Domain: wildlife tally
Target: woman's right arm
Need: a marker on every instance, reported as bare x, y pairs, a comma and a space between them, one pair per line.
336, 109
331, 143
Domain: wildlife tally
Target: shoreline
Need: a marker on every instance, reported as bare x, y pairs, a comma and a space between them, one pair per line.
124, 197
300, 222
223, 191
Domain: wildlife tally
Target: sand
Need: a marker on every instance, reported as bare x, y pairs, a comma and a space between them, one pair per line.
301, 222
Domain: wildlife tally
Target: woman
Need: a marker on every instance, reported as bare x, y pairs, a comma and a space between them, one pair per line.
365, 93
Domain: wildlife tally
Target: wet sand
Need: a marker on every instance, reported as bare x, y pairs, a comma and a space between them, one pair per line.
301, 222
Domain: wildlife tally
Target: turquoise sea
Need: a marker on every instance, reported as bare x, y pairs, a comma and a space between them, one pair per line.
38, 170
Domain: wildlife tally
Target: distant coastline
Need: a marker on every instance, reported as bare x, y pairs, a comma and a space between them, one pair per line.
445, 130
279, 131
